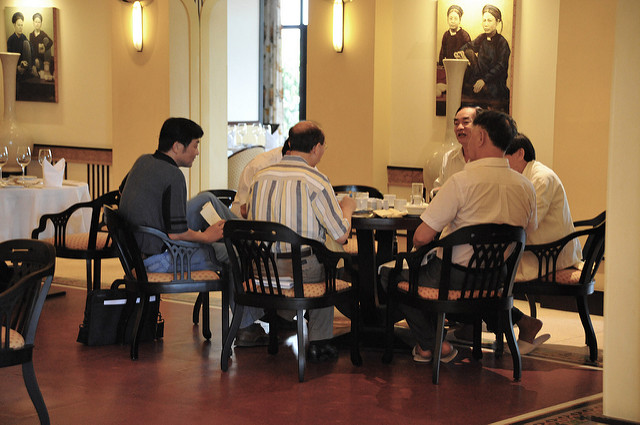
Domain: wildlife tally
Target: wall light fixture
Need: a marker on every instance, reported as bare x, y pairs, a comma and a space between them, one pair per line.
136, 25
338, 25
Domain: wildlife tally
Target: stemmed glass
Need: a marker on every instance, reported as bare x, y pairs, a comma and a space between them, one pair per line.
44, 155
23, 158
4, 157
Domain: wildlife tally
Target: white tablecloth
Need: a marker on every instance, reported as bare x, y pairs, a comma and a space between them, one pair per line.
21, 208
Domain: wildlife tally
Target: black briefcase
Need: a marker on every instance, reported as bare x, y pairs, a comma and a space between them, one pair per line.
104, 310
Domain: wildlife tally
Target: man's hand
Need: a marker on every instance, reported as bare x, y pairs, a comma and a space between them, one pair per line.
214, 232
479, 85
348, 206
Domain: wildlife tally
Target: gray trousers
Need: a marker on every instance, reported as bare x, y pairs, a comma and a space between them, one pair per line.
320, 319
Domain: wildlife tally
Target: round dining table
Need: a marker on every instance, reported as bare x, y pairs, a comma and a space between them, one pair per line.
22, 206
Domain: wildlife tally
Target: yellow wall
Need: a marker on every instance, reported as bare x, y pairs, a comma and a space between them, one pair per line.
340, 90
583, 93
141, 102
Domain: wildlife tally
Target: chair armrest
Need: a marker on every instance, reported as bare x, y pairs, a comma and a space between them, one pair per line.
60, 219
181, 251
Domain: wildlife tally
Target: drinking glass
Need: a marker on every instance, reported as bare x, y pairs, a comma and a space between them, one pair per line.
416, 193
4, 157
23, 157
44, 155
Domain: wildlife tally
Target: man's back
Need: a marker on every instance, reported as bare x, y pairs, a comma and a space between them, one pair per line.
298, 196
155, 195
554, 219
486, 191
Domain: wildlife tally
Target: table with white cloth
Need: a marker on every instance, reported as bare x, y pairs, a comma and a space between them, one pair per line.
22, 206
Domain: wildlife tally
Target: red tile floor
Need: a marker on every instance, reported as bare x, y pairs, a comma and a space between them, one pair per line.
178, 380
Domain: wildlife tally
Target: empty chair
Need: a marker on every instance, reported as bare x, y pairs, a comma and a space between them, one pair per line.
28, 267
571, 282
92, 246
140, 283
487, 285
258, 283
349, 188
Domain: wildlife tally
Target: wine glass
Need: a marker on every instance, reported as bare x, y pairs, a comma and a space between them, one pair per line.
4, 157
44, 155
23, 158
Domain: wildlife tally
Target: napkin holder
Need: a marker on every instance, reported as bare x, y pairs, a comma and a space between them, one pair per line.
52, 175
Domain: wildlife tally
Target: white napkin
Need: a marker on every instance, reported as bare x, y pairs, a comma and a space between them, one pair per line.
52, 175
390, 213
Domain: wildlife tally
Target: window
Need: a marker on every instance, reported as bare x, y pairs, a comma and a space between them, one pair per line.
293, 16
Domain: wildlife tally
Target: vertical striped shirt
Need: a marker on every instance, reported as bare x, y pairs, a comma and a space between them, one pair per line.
299, 196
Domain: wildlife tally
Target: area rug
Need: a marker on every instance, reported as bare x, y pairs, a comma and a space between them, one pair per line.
581, 413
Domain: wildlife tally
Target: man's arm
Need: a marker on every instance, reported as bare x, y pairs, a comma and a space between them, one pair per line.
348, 206
211, 234
423, 235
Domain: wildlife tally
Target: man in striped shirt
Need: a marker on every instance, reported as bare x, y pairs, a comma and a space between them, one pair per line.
294, 193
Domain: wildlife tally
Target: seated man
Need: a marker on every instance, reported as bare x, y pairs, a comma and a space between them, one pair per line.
154, 194
486, 191
294, 193
455, 159
554, 216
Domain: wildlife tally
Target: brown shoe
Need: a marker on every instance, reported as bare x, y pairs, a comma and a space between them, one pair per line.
251, 336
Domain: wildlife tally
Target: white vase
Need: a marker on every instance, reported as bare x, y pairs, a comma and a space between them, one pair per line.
455, 69
12, 134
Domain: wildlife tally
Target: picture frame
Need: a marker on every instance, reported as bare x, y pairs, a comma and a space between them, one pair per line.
36, 39
490, 57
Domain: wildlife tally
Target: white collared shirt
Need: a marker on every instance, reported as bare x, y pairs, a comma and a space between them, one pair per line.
485, 191
554, 220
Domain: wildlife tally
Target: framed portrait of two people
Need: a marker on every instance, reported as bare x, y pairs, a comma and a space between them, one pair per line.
482, 33
32, 32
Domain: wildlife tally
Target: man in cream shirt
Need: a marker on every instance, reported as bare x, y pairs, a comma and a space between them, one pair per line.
554, 216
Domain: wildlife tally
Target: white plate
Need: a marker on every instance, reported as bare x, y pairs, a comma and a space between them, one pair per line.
416, 209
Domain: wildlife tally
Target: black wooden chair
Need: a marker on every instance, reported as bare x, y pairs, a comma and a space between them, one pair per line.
142, 284
571, 282
224, 195
29, 266
352, 188
257, 282
92, 246
351, 246
487, 286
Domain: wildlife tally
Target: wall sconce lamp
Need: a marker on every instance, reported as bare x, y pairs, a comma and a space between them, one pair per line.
338, 25
136, 22
136, 25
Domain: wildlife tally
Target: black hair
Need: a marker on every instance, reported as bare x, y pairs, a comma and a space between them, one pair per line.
477, 108
304, 138
16, 16
37, 15
500, 127
522, 142
180, 130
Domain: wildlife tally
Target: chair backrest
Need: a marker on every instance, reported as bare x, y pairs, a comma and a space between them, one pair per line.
373, 192
126, 245
225, 196
491, 269
251, 246
592, 253
61, 219
238, 161
29, 262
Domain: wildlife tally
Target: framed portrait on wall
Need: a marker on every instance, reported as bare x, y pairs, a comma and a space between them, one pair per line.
33, 32
481, 32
